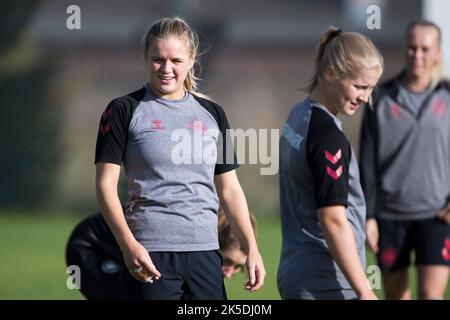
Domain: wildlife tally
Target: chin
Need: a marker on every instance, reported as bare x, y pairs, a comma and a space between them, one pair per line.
166, 90
417, 72
349, 112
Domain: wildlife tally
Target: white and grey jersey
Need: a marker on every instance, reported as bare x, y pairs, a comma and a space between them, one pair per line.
405, 153
317, 169
169, 150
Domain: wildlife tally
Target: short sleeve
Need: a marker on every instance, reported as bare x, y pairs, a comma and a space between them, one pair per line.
112, 133
328, 155
226, 156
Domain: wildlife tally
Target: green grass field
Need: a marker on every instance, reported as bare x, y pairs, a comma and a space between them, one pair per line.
32, 258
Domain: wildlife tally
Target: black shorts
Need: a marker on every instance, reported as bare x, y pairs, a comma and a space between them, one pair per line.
429, 238
195, 275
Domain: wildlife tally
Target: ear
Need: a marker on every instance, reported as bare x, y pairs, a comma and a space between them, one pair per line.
439, 56
329, 74
192, 61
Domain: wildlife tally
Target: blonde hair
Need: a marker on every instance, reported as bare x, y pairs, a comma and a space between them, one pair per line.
177, 26
437, 74
227, 238
347, 53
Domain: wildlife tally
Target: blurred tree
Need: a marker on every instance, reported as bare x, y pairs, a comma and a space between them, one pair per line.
14, 17
28, 125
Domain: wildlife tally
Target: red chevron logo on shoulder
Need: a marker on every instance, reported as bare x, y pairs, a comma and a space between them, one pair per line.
105, 129
107, 113
395, 110
333, 159
335, 174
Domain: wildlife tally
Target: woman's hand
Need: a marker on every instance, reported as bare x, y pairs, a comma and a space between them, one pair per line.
372, 235
235, 207
341, 243
135, 255
368, 295
139, 263
255, 271
444, 214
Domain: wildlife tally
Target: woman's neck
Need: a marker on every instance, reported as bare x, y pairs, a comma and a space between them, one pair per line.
319, 95
416, 83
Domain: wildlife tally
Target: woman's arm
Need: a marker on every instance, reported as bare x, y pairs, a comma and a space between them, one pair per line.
444, 214
233, 201
372, 234
341, 243
368, 174
135, 255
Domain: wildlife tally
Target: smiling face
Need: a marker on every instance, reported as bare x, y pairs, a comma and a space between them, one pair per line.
348, 94
422, 51
169, 61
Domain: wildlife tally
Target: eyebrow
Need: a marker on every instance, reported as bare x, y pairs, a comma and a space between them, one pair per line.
365, 86
172, 58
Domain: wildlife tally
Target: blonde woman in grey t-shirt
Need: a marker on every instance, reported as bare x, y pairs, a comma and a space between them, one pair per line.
168, 231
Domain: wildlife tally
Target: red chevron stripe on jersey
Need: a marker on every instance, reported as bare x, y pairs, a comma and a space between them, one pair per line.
334, 174
105, 129
333, 159
107, 113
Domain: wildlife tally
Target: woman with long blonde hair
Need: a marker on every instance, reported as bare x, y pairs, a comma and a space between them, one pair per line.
322, 204
168, 230
405, 152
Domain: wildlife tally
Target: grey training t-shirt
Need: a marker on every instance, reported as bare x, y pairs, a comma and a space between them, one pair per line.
317, 169
413, 100
169, 150
405, 153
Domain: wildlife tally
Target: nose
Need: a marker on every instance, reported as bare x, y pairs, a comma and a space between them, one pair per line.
365, 96
166, 66
227, 271
417, 54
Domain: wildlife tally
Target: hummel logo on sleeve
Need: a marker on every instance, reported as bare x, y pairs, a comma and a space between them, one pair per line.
333, 159
107, 113
104, 129
335, 174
